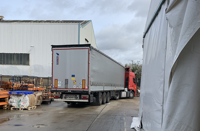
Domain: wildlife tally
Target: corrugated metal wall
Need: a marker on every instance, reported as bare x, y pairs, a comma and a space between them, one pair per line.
87, 32
35, 39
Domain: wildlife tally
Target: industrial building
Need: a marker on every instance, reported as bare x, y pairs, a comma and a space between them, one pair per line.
25, 45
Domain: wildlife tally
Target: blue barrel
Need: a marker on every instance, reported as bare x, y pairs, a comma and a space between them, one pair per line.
21, 92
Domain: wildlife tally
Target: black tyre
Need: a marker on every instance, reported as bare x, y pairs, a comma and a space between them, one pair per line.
104, 98
73, 103
107, 97
99, 98
116, 97
132, 94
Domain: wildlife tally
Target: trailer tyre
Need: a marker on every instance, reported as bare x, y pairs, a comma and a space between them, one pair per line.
107, 97
104, 98
99, 98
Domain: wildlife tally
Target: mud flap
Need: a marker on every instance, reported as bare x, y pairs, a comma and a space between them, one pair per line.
91, 98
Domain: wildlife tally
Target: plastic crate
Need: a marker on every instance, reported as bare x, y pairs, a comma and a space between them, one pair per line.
21, 92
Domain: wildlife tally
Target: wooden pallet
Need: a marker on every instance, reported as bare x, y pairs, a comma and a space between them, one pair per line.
6, 107
4, 102
19, 108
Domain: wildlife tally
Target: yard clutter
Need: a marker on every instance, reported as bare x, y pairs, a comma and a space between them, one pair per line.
6, 85
38, 98
22, 100
4, 95
19, 101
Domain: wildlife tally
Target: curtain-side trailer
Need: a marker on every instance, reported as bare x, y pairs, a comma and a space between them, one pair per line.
82, 73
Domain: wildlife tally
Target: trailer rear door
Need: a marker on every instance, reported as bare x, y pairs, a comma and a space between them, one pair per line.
70, 68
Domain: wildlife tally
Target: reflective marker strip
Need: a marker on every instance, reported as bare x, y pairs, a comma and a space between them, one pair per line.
56, 83
83, 83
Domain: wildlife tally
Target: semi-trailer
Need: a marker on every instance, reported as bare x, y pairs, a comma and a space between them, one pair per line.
81, 73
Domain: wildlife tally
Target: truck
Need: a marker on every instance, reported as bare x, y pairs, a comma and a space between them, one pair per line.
83, 74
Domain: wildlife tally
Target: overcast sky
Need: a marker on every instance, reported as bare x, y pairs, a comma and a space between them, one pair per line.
118, 24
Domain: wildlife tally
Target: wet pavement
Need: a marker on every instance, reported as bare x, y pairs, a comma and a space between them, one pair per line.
59, 116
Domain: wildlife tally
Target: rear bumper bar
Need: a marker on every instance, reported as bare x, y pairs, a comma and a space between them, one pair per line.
67, 100
70, 91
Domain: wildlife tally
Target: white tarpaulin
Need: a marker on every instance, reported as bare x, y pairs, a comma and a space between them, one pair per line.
169, 99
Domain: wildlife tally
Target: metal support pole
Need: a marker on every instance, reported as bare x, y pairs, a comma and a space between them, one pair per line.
48, 82
1, 81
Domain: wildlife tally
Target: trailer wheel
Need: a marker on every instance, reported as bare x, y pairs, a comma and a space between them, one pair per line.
107, 97
104, 98
99, 98
132, 94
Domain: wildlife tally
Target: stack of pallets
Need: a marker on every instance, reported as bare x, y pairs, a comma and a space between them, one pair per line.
6, 85
4, 95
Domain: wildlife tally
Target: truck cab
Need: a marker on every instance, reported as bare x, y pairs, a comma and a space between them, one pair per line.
130, 80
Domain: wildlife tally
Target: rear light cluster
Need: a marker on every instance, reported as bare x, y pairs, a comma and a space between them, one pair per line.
56, 97
83, 83
84, 96
56, 83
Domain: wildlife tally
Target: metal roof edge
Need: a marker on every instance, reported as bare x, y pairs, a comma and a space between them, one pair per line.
82, 26
44, 21
73, 45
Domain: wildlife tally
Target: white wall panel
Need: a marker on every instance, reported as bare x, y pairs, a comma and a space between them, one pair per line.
87, 32
36, 39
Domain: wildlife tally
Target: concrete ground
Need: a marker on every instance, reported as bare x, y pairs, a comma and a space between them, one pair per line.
58, 116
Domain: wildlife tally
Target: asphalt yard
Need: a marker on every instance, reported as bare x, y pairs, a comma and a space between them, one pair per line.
59, 116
